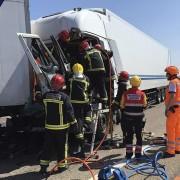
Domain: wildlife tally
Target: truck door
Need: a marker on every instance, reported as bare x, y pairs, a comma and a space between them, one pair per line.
40, 58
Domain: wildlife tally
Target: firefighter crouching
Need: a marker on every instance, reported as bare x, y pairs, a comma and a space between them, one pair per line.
59, 117
172, 112
95, 70
78, 89
133, 103
123, 78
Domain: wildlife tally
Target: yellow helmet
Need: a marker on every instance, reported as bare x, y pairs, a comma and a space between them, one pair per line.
77, 68
135, 81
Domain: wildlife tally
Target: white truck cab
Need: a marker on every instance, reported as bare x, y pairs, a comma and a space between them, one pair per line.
134, 51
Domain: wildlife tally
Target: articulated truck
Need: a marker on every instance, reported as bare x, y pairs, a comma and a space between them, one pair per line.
14, 66
29, 60
134, 51
20, 68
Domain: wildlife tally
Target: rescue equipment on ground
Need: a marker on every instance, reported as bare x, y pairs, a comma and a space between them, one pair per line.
110, 172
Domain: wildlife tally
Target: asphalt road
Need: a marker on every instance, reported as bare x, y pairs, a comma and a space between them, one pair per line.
26, 166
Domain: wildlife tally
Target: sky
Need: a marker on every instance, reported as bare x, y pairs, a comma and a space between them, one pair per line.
158, 18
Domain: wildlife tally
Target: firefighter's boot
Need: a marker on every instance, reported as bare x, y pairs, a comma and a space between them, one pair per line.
43, 170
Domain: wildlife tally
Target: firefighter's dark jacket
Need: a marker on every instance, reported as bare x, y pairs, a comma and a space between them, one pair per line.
106, 55
93, 61
78, 89
59, 111
122, 87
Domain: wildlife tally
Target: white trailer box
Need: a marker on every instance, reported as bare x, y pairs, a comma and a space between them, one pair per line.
134, 51
14, 66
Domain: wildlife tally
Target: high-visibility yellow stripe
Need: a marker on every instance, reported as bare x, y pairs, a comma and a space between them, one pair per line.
44, 162
53, 101
57, 127
73, 122
87, 118
76, 101
60, 103
104, 98
133, 114
95, 69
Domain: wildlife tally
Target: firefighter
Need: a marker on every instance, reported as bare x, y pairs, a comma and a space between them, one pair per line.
69, 47
172, 111
133, 103
63, 40
110, 74
123, 78
95, 70
59, 116
79, 94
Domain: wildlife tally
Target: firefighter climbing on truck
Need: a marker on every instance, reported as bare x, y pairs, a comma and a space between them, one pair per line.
94, 68
78, 90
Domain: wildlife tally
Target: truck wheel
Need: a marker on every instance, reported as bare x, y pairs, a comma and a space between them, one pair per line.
162, 95
158, 96
101, 126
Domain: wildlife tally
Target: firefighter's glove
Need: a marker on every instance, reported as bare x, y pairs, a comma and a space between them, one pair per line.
114, 106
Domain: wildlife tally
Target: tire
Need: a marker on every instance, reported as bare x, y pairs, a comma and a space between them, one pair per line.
158, 96
101, 126
162, 95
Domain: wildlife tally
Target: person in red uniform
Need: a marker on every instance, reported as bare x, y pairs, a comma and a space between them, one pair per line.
172, 112
133, 103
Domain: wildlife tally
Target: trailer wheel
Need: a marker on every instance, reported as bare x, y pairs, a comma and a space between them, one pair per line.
158, 96
162, 94
101, 126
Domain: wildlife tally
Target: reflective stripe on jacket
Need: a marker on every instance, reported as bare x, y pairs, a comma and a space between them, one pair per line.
78, 88
93, 60
59, 111
133, 102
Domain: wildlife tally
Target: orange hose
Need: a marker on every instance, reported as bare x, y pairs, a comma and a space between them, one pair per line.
77, 159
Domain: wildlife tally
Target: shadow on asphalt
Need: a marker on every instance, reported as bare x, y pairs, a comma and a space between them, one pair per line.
100, 163
8, 165
25, 176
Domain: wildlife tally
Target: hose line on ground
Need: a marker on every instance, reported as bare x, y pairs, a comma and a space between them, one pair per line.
148, 165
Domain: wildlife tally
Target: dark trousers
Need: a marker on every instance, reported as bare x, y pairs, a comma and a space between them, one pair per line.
55, 143
97, 82
123, 126
133, 125
110, 90
81, 112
